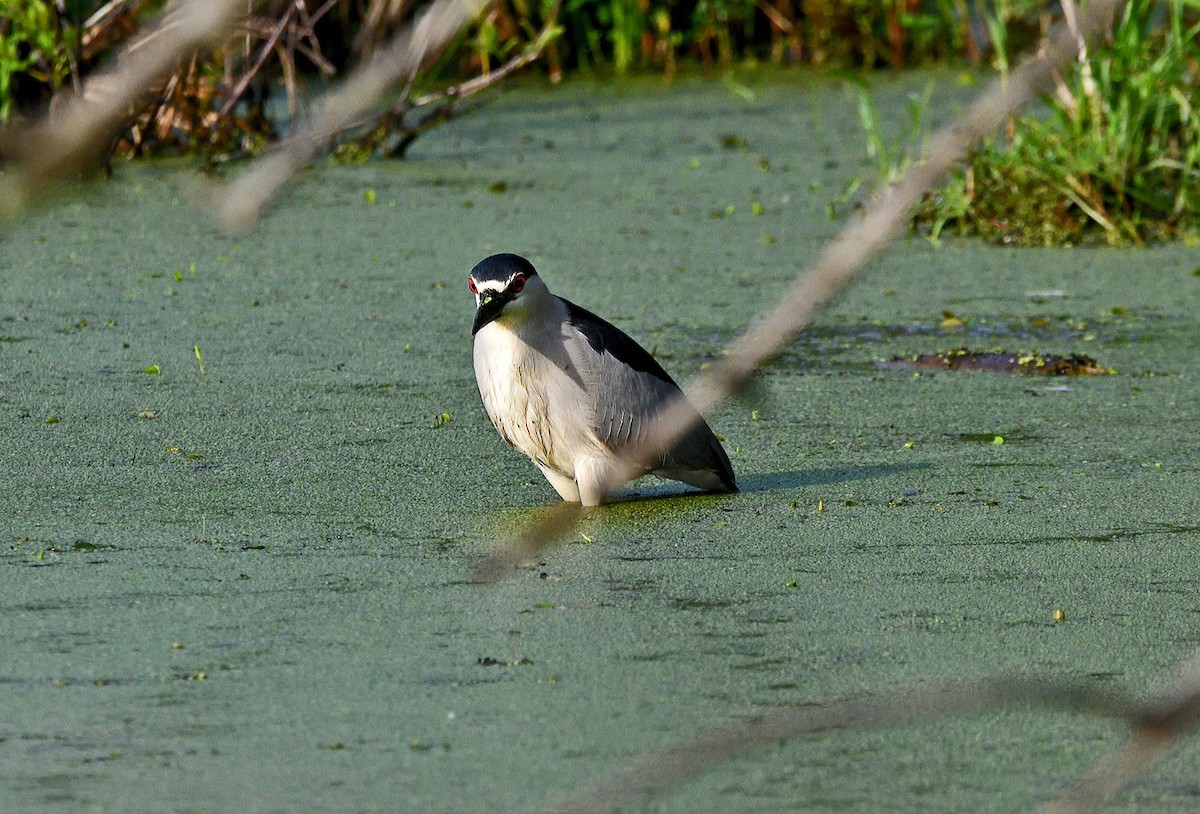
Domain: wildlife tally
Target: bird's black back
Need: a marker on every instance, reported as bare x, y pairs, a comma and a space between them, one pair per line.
604, 337
700, 449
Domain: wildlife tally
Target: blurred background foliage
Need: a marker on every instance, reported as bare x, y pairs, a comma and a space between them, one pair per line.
1114, 156
47, 45
1114, 153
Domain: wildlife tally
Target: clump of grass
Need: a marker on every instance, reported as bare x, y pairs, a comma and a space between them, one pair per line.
891, 159
1114, 157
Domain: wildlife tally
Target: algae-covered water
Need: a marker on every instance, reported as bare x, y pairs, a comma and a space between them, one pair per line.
240, 531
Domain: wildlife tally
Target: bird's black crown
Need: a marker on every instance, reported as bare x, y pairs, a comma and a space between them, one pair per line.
502, 268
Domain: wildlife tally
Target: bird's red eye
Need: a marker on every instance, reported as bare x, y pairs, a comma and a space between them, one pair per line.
517, 283
472, 286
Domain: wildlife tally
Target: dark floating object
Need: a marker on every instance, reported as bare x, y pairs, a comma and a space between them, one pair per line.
1028, 364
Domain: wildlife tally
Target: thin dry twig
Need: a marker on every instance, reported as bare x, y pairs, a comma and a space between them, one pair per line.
239, 204
443, 104
264, 52
474, 85
1157, 724
77, 133
842, 258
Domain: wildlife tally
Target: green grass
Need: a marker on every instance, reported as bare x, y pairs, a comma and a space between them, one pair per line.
891, 159
33, 46
1113, 158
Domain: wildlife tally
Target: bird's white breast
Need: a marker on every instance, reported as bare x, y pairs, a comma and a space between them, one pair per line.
533, 399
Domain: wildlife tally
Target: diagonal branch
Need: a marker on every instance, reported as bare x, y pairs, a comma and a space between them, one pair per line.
264, 52
1157, 724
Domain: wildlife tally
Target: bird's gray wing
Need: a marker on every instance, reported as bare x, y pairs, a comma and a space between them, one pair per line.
629, 388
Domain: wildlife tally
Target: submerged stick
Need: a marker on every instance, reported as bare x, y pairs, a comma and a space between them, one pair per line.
74, 135
842, 258
240, 203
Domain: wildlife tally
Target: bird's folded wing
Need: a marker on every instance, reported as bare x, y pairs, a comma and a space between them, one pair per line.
629, 387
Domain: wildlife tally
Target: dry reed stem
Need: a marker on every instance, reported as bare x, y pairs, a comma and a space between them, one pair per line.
77, 133
239, 204
843, 257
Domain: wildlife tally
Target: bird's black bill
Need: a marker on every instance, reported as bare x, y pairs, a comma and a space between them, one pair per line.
490, 306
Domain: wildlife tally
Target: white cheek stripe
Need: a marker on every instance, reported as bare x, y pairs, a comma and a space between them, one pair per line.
490, 285
494, 286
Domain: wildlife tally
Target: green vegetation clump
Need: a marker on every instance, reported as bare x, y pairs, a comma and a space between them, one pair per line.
35, 49
1114, 157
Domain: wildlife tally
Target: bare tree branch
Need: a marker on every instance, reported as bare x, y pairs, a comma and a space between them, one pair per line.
264, 51
1159, 726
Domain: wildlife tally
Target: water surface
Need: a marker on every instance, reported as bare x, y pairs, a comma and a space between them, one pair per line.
249, 586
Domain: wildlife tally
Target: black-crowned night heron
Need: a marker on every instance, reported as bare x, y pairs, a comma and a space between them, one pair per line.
570, 390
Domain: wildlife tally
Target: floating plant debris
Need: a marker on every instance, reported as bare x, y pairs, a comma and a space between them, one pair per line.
1028, 364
